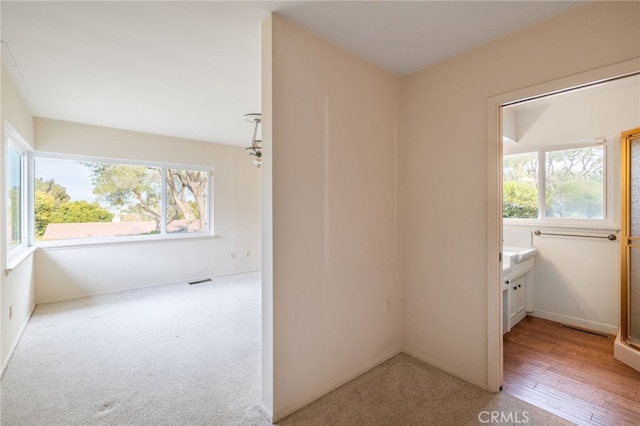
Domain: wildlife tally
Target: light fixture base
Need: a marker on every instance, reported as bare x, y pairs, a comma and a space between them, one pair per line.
253, 117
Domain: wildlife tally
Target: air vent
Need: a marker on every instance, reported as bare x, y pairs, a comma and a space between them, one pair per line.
597, 333
206, 280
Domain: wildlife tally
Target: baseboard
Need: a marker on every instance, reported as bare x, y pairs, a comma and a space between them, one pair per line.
186, 280
265, 412
626, 354
576, 322
439, 366
15, 343
281, 414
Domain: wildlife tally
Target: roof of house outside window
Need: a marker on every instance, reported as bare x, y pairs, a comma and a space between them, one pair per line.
65, 231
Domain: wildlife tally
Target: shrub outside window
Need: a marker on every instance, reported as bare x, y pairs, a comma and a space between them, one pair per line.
76, 199
569, 186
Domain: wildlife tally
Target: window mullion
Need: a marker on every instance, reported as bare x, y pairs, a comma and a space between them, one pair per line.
24, 199
542, 184
163, 202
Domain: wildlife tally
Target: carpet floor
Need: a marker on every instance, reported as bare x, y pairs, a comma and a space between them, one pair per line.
184, 354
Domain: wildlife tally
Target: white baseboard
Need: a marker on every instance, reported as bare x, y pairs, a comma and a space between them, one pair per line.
15, 343
266, 412
576, 322
181, 281
281, 414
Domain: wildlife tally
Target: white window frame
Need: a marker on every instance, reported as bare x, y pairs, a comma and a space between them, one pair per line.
13, 140
162, 236
609, 219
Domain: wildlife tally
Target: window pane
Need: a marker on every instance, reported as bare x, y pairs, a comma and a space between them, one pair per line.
575, 184
79, 199
186, 200
14, 197
520, 188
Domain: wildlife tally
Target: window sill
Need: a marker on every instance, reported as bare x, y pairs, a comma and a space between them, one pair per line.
17, 258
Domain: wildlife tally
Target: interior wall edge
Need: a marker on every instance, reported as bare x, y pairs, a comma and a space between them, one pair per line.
6, 361
440, 366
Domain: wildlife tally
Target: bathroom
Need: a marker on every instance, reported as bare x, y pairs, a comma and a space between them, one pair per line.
574, 278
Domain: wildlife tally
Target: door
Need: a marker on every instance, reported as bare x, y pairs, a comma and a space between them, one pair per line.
630, 256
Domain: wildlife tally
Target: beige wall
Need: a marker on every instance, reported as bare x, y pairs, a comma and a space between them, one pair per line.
16, 287
444, 128
67, 272
336, 298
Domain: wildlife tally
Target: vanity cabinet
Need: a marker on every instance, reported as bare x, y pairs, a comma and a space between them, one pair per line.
517, 298
517, 292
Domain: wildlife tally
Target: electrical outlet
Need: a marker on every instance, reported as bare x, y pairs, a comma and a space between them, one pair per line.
10, 311
247, 253
232, 256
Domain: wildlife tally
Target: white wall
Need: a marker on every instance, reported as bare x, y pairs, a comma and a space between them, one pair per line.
336, 294
16, 286
68, 272
444, 128
584, 116
267, 397
577, 282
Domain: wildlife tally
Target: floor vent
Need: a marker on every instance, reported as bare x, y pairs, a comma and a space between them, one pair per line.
596, 333
206, 280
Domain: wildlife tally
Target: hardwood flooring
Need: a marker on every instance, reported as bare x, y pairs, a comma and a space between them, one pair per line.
570, 373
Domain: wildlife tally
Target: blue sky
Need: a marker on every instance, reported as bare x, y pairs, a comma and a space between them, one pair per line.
70, 174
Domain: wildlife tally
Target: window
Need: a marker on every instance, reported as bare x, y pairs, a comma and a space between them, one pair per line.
570, 185
74, 198
15, 196
15, 179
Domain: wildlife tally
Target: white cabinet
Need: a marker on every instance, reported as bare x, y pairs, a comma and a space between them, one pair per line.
517, 297
517, 294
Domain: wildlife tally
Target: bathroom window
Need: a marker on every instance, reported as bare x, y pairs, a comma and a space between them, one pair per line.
555, 184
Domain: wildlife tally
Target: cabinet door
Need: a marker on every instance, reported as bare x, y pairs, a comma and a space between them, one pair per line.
520, 293
513, 293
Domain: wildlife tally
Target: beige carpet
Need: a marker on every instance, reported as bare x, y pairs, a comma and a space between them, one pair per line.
406, 391
190, 355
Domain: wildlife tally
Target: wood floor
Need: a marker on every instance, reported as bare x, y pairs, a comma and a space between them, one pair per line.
570, 373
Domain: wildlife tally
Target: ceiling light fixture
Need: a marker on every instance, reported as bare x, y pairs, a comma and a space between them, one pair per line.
255, 149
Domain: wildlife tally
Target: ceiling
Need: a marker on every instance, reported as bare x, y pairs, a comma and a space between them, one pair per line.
192, 69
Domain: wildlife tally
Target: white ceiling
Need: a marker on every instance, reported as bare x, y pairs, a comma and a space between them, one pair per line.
192, 69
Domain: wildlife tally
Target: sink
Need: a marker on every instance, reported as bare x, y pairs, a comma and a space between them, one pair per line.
518, 254
517, 260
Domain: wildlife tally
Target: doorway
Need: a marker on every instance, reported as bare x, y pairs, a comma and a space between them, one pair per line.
494, 192
548, 209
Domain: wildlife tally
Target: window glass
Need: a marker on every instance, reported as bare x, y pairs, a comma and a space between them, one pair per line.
88, 199
15, 188
574, 183
520, 186
83, 199
186, 200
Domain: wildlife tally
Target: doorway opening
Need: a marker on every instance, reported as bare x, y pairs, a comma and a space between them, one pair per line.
561, 194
